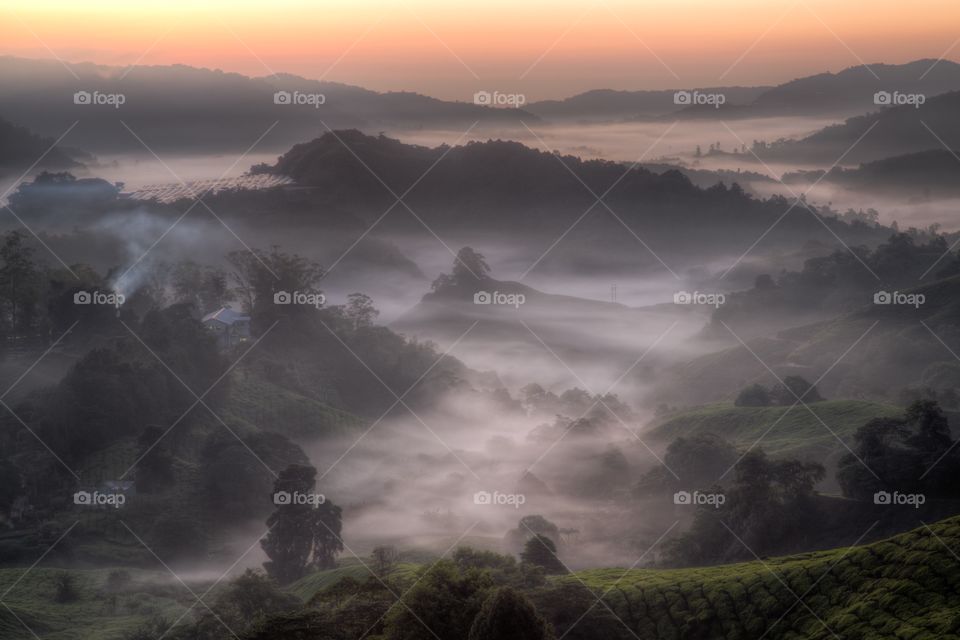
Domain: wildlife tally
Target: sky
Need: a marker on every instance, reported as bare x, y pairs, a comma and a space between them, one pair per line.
540, 48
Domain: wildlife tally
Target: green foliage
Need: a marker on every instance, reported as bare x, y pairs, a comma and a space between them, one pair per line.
542, 552
443, 604
904, 587
507, 615
768, 503
756, 395
911, 454
698, 459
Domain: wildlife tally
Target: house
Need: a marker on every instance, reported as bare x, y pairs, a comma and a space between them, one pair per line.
230, 327
126, 487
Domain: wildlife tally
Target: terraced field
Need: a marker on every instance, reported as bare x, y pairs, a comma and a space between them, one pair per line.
906, 587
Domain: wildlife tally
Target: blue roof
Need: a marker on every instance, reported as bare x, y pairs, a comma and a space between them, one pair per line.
225, 315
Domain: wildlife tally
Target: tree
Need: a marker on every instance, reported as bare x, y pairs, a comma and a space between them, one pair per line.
19, 282
360, 310
527, 527
699, 459
384, 559
795, 389
259, 275
756, 395
303, 534
469, 269
768, 505
914, 453
205, 287
542, 552
443, 604
508, 615
470, 266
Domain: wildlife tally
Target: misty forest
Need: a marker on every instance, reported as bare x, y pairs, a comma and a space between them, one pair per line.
288, 358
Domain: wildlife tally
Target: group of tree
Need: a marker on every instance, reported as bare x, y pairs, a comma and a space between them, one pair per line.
915, 453
767, 505
793, 390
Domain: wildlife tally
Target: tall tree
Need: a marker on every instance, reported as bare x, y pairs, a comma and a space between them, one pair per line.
542, 552
19, 282
303, 534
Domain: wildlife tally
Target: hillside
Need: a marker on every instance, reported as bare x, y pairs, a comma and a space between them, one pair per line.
226, 111
792, 432
905, 587
485, 187
885, 132
893, 351
20, 148
849, 91
606, 105
923, 175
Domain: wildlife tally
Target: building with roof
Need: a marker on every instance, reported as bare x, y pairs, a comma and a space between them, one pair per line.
230, 327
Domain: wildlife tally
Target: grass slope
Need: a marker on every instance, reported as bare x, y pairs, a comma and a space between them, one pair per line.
792, 432
906, 587
273, 407
96, 615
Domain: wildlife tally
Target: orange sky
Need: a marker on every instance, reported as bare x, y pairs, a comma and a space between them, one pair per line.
450, 49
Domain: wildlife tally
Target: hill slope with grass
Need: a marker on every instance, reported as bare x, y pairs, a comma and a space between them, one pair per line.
904, 587
907, 586
794, 432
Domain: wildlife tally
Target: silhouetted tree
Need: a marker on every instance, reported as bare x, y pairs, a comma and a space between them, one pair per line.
756, 395
302, 534
541, 551
507, 615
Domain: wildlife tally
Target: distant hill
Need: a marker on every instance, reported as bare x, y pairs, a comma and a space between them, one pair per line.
20, 148
182, 108
605, 105
899, 352
483, 187
792, 433
924, 175
845, 93
885, 132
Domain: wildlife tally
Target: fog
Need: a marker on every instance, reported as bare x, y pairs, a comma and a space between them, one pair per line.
628, 141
